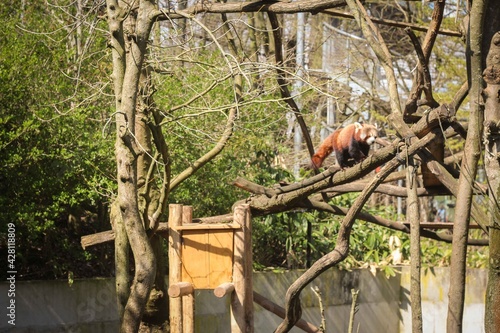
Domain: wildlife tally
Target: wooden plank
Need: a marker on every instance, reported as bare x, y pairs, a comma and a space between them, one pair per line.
109, 235
242, 297
220, 257
198, 226
195, 264
207, 257
97, 238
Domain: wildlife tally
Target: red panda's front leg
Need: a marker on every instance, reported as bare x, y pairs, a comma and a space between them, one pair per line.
356, 151
342, 158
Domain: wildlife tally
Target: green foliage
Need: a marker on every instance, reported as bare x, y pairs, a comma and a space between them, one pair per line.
191, 131
280, 241
55, 165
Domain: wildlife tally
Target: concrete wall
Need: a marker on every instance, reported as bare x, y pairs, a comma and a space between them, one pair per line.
89, 305
435, 285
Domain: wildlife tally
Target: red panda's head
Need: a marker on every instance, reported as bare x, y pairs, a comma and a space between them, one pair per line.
366, 133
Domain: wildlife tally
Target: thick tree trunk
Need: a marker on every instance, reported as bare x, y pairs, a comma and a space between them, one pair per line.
122, 258
122, 276
491, 42
128, 55
155, 318
472, 152
492, 166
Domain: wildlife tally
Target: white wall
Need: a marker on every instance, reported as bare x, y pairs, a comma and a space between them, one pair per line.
90, 306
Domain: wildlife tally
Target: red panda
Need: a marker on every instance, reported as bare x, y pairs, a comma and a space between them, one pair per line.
352, 141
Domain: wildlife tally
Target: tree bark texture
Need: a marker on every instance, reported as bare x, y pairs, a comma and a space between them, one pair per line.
155, 317
122, 258
122, 280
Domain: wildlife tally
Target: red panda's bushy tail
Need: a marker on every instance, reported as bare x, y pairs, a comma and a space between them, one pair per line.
324, 150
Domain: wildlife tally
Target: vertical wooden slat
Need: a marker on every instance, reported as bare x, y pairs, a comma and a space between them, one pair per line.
242, 297
174, 268
187, 300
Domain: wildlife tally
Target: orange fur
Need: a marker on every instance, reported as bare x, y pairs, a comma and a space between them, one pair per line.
352, 141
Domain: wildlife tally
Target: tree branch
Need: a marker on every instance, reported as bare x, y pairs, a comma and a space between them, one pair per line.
285, 93
392, 23
278, 7
423, 77
419, 81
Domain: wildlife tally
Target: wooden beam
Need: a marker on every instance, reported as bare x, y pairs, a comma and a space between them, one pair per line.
109, 235
197, 226
224, 289
180, 289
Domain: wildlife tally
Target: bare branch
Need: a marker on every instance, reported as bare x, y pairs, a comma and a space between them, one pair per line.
278, 51
313, 6
423, 75
292, 300
420, 80
392, 23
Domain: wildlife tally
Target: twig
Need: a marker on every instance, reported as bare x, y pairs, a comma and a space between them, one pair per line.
354, 309
430, 38
423, 73
316, 290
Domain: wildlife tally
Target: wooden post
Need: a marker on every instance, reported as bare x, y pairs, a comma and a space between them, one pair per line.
188, 312
187, 214
187, 299
175, 265
242, 297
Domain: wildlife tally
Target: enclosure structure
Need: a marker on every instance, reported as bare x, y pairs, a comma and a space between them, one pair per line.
210, 256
